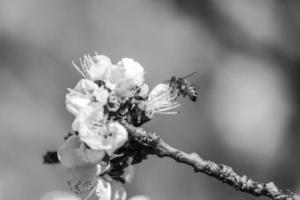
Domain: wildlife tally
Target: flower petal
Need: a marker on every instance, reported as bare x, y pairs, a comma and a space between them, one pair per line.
75, 102
85, 85
103, 190
88, 114
133, 70
118, 191
73, 153
139, 197
83, 181
108, 138
59, 195
128, 77
99, 66
101, 95
144, 89
158, 90
118, 138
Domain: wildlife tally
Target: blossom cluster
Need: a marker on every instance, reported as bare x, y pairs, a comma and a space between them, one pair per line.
107, 95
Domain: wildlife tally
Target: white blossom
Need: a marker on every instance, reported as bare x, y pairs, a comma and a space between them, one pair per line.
96, 102
76, 101
98, 133
73, 153
126, 78
85, 85
132, 70
84, 93
160, 101
130, 77
101, 95
110, 190
94, 67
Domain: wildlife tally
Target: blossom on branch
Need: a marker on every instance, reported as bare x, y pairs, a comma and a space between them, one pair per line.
110, 104
97, 132
100, 153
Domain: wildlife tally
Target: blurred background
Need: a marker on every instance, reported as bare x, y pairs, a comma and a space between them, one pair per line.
246, 54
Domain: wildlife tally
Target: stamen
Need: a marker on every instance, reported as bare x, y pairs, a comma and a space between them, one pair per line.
158, 98
84, 66
168, 108
169, 113
78, 69
164, 104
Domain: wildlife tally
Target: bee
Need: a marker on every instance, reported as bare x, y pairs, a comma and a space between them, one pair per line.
183, 87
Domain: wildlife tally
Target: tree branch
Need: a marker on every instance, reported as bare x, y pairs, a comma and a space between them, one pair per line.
219, 171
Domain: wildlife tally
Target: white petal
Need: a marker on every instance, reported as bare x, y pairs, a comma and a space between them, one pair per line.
101, 95
116, 74
133, 70
83, 181
109, 137
103, 190
96, 133
144, 90
101, 60
73, 153
99, 68
118, 191
158, 90
139, 197
84, 114
75, 102
119, 136
95, 140
59, 195
124, 88
85, 85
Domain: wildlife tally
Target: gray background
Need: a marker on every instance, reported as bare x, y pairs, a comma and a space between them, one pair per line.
246, 54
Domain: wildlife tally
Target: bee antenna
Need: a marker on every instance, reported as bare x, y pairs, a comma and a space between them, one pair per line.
189, 75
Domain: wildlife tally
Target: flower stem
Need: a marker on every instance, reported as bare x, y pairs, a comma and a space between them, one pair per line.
221, 172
